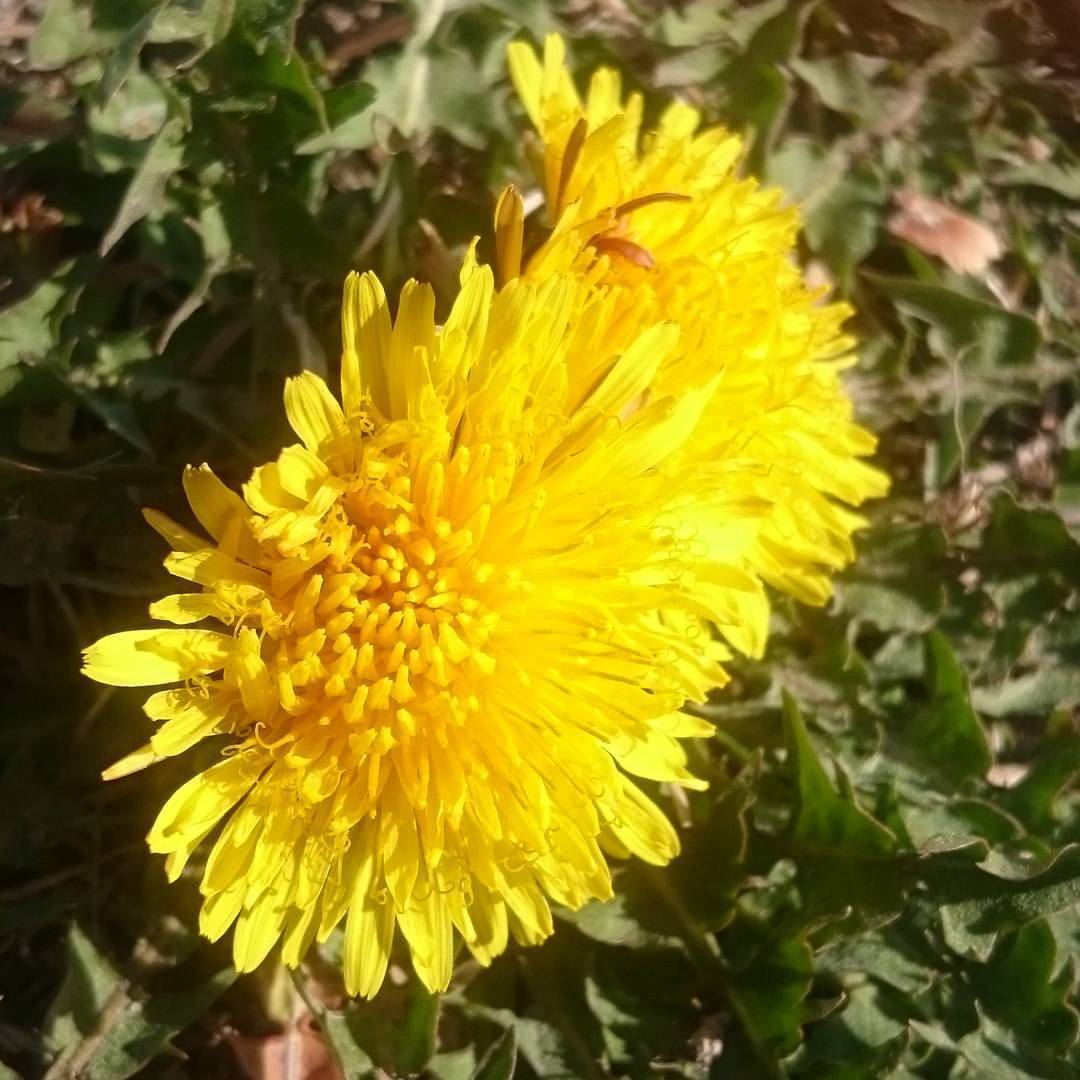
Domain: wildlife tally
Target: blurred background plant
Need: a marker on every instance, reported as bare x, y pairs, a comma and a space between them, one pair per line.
882, 880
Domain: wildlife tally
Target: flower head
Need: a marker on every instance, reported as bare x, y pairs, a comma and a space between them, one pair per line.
453, 622
662, 223
447, 630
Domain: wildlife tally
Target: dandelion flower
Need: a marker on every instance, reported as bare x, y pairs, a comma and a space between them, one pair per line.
456, 623
663, 224
442, 636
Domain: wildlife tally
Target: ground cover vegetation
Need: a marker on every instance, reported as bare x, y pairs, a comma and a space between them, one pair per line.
881, 879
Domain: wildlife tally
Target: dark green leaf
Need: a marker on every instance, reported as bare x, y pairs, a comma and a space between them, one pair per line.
89, 982
971, 333
270, 19
64, 35
28, 331
768, 989
976, 904
397, 1032
498, 1063
124, 56
843, 227
101, 1028
143, 197
946, 733
1025, 986
826, 819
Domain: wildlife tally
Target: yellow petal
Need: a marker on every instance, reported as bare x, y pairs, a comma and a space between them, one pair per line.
509, 234
462, 339
634, 371
219, 911
414, 328
233, 852
531, 917
176, 535
313, 411
202, 717
527, 75
257, 930
300, 928
134, 762
247, 670
196, 807
490, 927
656, 756
210, 566
171, 704
301, 472
185, 608
365, 337
642, 828
264, 492
426, 926
146, 657
215, 505
400, 845
369, 933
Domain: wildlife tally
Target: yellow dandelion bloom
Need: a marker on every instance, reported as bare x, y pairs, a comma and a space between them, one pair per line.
662, 223
452, 623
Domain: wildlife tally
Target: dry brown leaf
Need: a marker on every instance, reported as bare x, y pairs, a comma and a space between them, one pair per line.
29, 213
300, 1052
966, 245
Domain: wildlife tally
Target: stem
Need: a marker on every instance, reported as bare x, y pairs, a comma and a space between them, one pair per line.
549, 996
705, 951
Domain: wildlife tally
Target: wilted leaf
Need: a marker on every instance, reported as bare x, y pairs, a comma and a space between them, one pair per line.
300, 1052
966, 245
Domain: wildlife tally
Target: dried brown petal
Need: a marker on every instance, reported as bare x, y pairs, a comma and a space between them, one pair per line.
966, 245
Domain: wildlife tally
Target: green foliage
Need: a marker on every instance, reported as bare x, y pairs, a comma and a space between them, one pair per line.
884, 875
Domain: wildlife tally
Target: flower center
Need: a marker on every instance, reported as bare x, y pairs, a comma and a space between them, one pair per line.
381, 640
